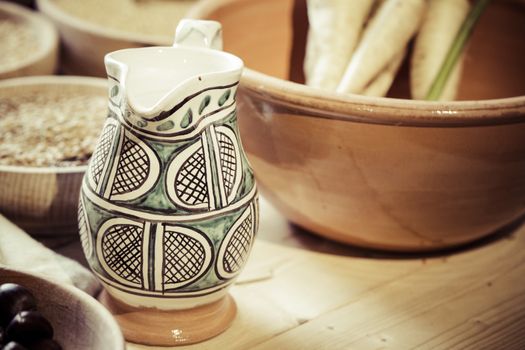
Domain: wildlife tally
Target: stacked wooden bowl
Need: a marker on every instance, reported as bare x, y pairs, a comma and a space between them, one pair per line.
90, 29
28, 42
50, 126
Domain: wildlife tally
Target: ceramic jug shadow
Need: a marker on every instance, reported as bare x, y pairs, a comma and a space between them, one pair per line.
168, 208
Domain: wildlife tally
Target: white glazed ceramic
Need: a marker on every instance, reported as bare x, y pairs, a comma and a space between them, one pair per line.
169, 203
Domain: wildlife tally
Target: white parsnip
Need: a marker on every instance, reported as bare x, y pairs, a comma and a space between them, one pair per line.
382, 82
335, 28
438, 30
387, 33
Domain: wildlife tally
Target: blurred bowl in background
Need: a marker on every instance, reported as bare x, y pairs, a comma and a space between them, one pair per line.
79, 321
28, 42
90, 29
386, 173
44, 199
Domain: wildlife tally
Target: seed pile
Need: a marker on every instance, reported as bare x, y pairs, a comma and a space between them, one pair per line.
56, 126
17, 40
149, 17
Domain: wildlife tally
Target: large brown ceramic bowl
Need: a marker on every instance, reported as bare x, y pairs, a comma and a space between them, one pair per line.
382, 172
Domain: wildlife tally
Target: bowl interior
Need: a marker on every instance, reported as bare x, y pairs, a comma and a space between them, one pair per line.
68, 101
493, 61
37, 37
148, 22
79, 321
36, 193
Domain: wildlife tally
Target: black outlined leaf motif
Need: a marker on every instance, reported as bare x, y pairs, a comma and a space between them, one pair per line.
187, 119
100, 155
239, 246
205, 102
133, 168
190, 183
114, 91
122, 251
183, 257
224, 97
83, 230
236, 245
167, 125
228, 161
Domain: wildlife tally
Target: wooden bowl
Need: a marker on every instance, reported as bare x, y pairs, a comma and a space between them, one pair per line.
79, 321
36, 51
86, 42
44, 200
385, 173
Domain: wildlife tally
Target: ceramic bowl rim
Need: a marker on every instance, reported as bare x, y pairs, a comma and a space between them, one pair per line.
49, 80
366, 109
78, 295
46, 29
382, 110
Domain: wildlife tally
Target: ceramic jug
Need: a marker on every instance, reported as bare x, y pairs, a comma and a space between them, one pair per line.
168, 208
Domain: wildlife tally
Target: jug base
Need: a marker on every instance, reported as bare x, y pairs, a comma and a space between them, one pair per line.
150, 326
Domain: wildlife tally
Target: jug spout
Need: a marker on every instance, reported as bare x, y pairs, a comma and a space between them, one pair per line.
153, 88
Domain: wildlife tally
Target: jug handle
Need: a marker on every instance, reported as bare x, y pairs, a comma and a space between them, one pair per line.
199, 33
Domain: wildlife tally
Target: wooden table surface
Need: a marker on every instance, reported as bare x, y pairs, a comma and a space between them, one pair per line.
299, 291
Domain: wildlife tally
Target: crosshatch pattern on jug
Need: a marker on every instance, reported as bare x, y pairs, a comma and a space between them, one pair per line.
121, 248
102, 153
236, 246
230, 161
175, 259
192, 188
184, 257
239, 246
190, 182
187, 256
133, 168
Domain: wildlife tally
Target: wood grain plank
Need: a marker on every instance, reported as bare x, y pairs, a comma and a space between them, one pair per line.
473, 300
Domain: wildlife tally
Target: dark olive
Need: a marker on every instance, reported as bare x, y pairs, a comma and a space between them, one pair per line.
13, 299
13, 345
2, 336
45, 344
29, 326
